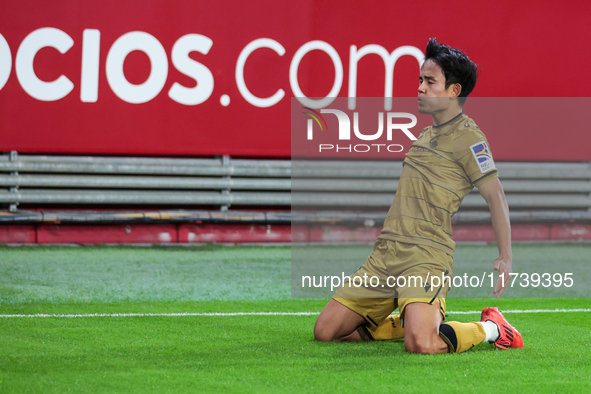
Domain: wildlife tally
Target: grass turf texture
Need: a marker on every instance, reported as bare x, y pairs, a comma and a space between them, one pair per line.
245, 353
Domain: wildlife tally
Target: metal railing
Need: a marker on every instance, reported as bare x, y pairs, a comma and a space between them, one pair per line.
225, 182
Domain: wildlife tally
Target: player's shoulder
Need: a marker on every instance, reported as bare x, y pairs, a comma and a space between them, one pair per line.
467, 132
425, 130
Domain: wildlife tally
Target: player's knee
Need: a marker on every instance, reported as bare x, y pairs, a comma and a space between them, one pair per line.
322, 332
418, 345
411, 345
418, 348
321, 335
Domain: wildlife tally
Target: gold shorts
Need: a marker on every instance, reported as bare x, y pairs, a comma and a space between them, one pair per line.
394, 275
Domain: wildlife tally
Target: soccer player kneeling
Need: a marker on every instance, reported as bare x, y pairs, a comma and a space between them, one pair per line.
447, 160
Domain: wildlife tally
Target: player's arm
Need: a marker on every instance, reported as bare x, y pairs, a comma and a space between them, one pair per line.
493, 193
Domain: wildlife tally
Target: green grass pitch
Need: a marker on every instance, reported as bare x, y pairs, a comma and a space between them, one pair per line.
247, 353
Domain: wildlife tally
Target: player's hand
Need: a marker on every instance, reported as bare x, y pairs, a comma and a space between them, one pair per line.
503, 266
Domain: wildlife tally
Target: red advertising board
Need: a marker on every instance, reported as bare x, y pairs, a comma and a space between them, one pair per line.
201, 78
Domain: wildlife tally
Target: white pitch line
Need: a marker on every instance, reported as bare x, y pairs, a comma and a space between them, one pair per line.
173, 314
213, 314
523, 311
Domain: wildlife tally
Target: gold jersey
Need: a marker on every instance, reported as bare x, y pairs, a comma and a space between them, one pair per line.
440, 169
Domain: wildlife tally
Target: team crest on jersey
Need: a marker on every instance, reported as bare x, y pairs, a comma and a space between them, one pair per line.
483, 158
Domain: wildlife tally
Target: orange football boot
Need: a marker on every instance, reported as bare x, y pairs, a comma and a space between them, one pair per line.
509, 336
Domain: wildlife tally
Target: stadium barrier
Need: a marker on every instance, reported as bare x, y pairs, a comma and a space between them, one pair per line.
261, 192
138, 181
224, 182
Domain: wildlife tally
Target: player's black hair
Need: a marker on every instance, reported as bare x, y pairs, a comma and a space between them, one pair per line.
455, 65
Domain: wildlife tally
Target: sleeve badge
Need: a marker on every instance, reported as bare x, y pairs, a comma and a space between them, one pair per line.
483, 158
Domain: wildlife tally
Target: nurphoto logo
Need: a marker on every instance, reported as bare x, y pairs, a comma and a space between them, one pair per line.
390, 126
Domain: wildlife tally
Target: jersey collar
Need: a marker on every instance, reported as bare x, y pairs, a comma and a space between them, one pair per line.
452, 120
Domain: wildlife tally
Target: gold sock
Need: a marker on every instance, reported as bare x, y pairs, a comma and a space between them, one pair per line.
460, 337
390, 328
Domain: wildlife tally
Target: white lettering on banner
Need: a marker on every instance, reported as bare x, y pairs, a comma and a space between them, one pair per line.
5, 61
293, 74
89, 80
201, 74
123, 46
204, 79
36, 88
248, 49
389, 59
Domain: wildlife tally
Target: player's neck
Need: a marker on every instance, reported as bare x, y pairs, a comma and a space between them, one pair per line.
440, 118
